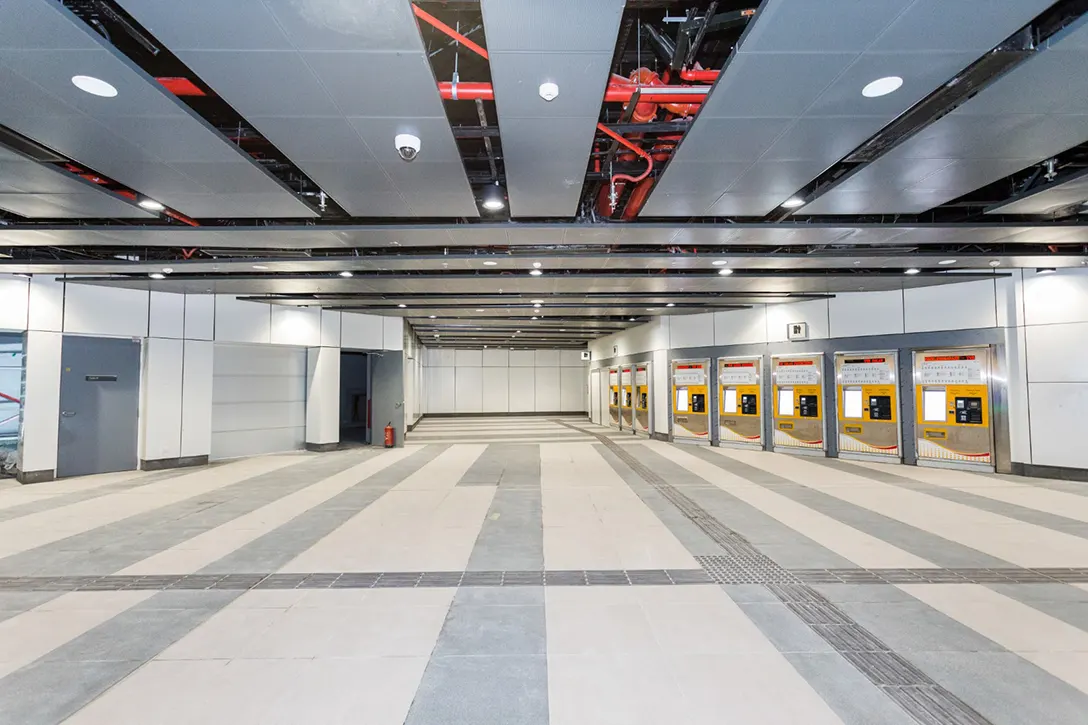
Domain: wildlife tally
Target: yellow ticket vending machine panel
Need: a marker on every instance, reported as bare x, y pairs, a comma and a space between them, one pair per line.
952, 408
798, 408
740, 408
867, 405
642, 398
614, 397
690, 400
627, 374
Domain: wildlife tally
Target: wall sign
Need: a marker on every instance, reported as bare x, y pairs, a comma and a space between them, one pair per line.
797, 331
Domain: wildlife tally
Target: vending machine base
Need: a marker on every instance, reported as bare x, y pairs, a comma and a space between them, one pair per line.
689, 441
739, 445
870, 457
956, 465
810, 452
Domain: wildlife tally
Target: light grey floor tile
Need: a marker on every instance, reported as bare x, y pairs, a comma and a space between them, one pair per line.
510, 690
853, 698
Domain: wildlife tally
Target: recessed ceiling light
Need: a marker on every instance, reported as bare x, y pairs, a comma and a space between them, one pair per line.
671, 304
535, 272
517, 332
946, 262
536, 305
1046, 270
720, 262
725, 272
345, 273
94, 86
651, 309
157, 275
151, 205
431, 316
534, 318
793, 202
536, 265
630, 319
882, 87
490, 263
402, 305
912, 270
479, 309
259, 266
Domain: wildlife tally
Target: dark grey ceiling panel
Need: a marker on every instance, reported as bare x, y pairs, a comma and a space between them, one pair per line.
1048, 198
1036, 110
331, 85
790, 101
36, 190
546, 145
143, 137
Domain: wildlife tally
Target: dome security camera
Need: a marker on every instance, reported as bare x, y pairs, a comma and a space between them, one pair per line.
407, 146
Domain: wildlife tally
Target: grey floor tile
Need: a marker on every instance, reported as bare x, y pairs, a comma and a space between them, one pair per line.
848, 692
783, 628
48, 692
916, 627
484, 629
510, 690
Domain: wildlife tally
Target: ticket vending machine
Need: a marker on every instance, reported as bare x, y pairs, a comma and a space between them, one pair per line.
740, 408
868, 406
798, 413
691, 400
642, 398
614, 397
627, 373
952, 408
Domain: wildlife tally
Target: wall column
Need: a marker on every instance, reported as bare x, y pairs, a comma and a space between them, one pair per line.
323, 398
41, 407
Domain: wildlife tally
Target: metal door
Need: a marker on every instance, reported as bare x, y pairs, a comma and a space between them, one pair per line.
99, 405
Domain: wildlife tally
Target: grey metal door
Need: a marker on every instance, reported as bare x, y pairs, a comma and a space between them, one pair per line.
99, 405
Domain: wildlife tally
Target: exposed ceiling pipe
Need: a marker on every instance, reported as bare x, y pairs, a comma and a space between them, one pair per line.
439, 25
616, 93
637, 149
699, 75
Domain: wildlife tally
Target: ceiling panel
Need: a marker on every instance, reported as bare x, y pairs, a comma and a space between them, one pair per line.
817, 57
331, 85
1035, 111
1049, 198
141, 138
546, 145
36, 190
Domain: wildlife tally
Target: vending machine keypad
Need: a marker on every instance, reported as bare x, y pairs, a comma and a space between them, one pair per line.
642, 400
698, 403
809, 406
749, 405
969, 411
880, 407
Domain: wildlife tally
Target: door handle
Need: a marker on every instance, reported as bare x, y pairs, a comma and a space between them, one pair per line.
67, 413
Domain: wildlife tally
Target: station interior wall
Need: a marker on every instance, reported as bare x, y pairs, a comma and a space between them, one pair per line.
180, 334
1042, 318
499, 380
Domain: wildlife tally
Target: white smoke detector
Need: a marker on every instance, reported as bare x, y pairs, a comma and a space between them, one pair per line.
549, 91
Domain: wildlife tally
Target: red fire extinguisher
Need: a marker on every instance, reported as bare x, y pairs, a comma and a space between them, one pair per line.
390, 437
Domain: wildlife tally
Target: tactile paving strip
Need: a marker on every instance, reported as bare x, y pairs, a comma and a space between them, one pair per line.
919, 695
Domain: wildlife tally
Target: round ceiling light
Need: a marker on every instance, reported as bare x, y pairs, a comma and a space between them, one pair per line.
431, 316
549, 91
535, 272
534, 318
479, 309
912, 270
882, 87
151, 204
720, 262
94, 86
1046, 270
536, 265
157, 275
995, 262
946, 262
671, 304
345, 273
167, 270
490, 263
793, 202
402, 305
259, 266
725, 272
493, 198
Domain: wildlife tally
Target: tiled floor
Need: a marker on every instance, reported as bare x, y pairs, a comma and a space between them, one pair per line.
530, 571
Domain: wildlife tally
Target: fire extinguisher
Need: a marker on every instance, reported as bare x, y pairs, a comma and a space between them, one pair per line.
390, 437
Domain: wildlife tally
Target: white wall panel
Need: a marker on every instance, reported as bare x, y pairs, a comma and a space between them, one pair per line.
46, 304
468, 397
297, 326
547, 358
963, 306
859, 314
1058, 297
740, 327
571, 359
661, 392
322, 395
41, 409
548, 394
1056, 353
522, 358
468, 358
258, 400
1057, 424
1019, 421
496, 358
14, 302
361, 332
522, 388
690, 331
238, 321
441, 387
441, 358
167, 315
496, 390
200, 317
196, 413
105, 311
161, 394
1010, 299
814, 312
392, 333
330, 328
572, 389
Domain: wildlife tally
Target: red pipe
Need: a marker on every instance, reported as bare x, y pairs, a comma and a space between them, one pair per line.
638, 198
699, 76
438, 24
466, 91
616, 137
615, 94
5, 396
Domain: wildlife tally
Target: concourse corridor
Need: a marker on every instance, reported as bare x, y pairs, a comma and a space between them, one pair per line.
535, 570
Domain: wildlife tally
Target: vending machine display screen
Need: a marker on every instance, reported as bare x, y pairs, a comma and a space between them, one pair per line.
809, 405
749, 405
698, 403
969, 411
880, 407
